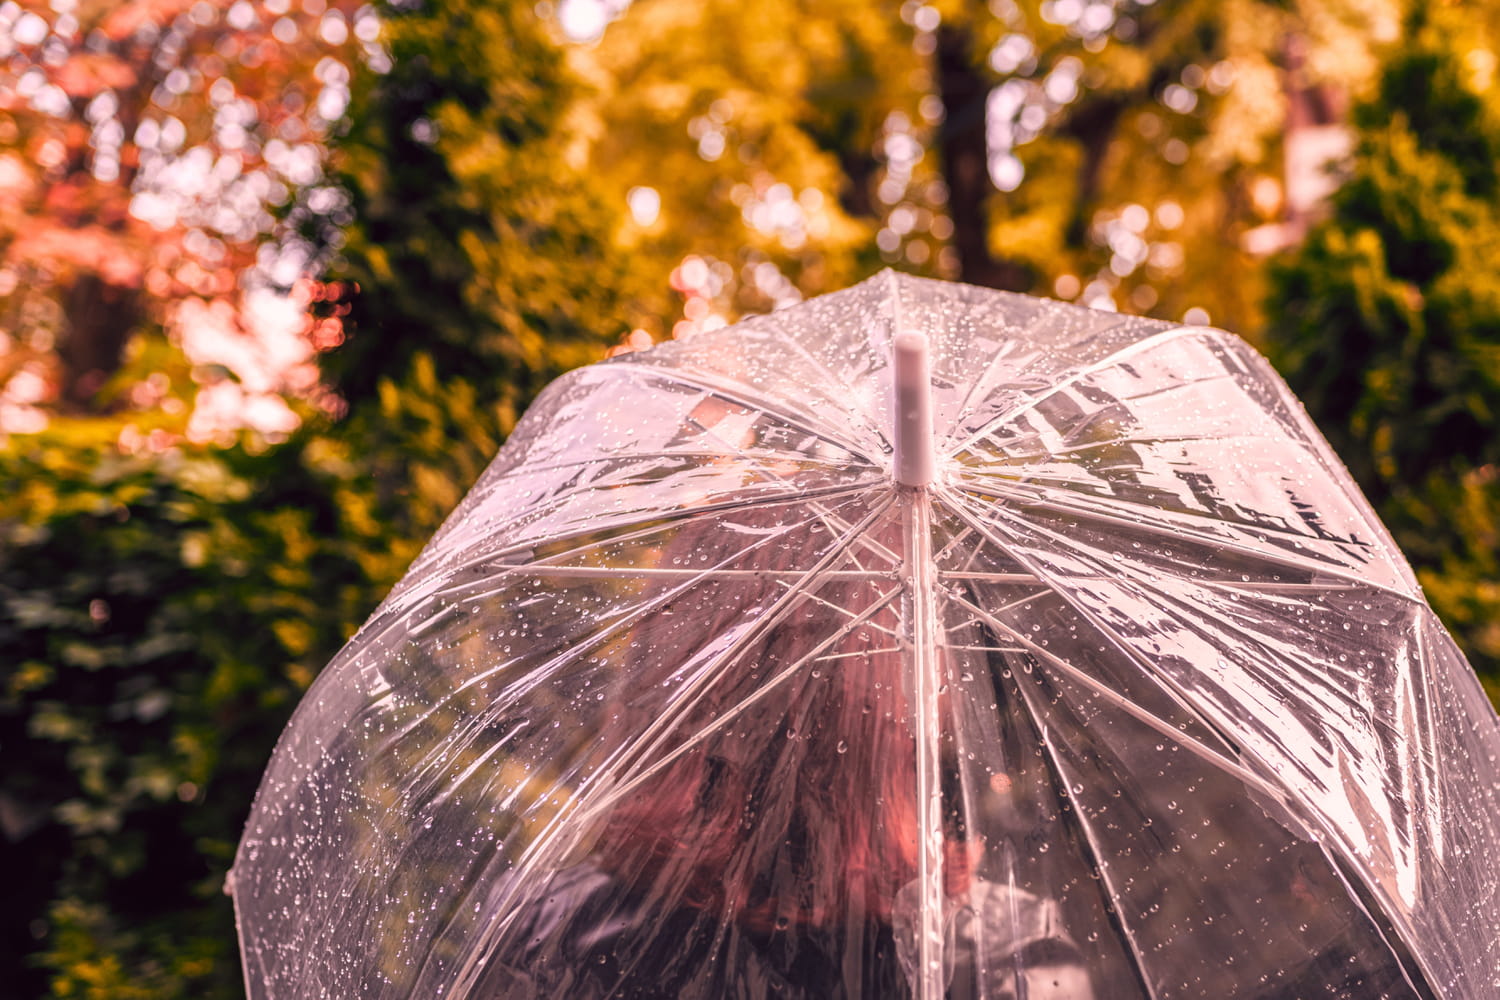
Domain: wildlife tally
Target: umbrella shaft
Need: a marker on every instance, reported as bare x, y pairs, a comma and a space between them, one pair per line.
921, 635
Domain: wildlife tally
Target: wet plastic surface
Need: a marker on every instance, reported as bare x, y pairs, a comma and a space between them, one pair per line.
688, 699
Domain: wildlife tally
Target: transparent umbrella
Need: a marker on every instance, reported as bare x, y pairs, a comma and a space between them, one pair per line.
1072, 667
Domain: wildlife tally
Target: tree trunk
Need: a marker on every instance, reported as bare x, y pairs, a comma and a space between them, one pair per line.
100, 318
1092, 124
965, 154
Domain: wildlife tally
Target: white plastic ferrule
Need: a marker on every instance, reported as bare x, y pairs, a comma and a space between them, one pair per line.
913, 440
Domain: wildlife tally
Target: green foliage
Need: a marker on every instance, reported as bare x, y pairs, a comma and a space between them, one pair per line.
478, 241
160, 614
1450, 528
159, 618
1387, 322
421, 448
764, 130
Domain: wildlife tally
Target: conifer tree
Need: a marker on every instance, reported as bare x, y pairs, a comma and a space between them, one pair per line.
1387, 320
477, 242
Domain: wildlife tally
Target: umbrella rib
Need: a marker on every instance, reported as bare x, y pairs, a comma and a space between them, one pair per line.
632, 572
798, 420
834, 381
636, 456
1339, 692
1041, 318
653, 603
606, 634
859, 653
1026, 597
835, 522
1087, 838
658, 519
1129, 350
987, 649
1167, 685
501, 580
1043, 452
1127, 706
886, 630
541, 673
1065, 502
1194, 534
774, 615
953, 543
986, 577
1051, 487
1272, 587
730, 714
1301, 811
659, 730
1226, 623
409, 599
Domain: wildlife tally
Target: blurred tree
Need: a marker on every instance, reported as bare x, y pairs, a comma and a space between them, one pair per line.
166, 608
750, 144
1387, 321
159, 617
144, 147
1117, 153
479, 249
1132, 147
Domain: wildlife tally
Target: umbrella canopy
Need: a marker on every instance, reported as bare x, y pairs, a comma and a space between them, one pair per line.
1101, 682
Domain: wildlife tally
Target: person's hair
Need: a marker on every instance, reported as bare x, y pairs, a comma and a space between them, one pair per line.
799, 809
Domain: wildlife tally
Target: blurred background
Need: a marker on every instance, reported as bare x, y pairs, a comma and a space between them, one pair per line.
278, 276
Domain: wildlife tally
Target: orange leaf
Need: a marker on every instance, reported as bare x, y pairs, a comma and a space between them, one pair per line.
123, 21
85, 74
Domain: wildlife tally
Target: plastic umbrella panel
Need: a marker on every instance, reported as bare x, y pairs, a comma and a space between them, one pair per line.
688, 698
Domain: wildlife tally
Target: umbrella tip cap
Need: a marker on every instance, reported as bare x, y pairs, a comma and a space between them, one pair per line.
914, 459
